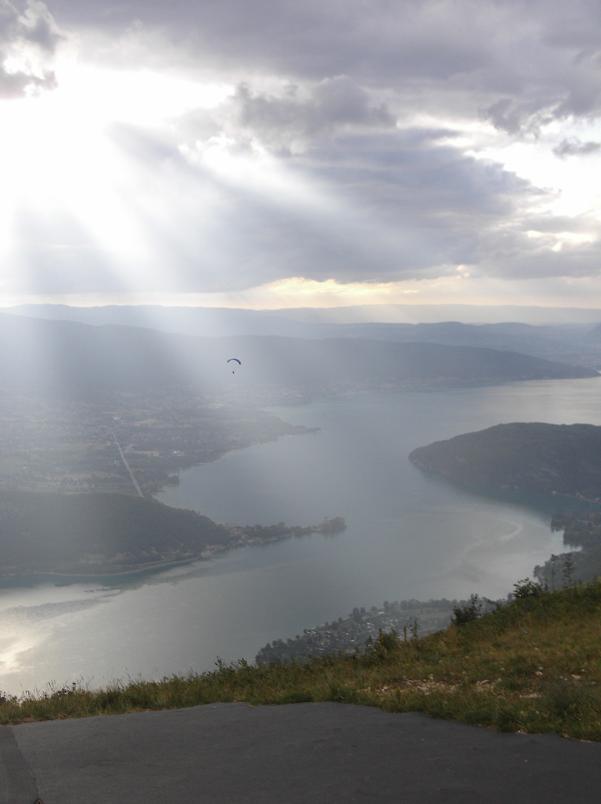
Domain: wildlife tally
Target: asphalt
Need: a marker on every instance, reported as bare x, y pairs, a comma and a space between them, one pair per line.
310, 753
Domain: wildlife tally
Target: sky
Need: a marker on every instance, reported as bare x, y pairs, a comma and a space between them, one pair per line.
282, 154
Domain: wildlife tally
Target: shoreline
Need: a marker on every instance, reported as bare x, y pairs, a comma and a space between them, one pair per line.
158, 566
330, 526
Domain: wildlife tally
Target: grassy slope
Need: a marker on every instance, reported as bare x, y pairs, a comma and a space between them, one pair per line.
534, 665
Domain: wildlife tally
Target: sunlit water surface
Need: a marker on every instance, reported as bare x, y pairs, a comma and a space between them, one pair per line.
407, 536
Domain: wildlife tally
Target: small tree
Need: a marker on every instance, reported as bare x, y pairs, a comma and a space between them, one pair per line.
468, 612
384, 646
527, 588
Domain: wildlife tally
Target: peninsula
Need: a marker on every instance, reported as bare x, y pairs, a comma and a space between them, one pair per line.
557, 467
105, 534
532, 458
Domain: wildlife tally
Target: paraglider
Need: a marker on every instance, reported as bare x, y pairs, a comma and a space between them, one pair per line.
234, 360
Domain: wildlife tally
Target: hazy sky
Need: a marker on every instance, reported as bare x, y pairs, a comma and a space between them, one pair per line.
293, 153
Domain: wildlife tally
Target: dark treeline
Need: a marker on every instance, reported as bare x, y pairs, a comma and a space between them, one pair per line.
525, 458
74, 532
103, 533
581, 530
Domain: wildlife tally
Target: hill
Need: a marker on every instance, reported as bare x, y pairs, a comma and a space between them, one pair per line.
531, 458
532, 665
568, 343
561, 337
72, 360
98, 533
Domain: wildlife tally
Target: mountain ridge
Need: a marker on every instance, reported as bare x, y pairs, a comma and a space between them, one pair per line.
69, 358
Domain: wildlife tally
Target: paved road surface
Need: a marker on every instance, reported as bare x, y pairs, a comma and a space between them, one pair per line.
309, 753
128, 468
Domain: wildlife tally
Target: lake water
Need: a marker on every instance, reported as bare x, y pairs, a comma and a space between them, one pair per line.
407, 536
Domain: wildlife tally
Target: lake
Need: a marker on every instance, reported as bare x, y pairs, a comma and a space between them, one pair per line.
408, 536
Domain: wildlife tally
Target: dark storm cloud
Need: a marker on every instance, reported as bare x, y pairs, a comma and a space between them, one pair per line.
576, 147
517, 117
446, 209
297, 116
396, 205
518, 61
37, 25
309, 39
24, 29
381, 206
332, 91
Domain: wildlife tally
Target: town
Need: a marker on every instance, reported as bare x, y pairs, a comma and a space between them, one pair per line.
126, 444
351, 634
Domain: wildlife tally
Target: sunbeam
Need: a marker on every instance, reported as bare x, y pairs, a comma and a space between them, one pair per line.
300, 360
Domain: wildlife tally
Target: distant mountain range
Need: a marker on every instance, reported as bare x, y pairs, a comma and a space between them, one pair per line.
235, 318
72, 359
532, 458
577, 342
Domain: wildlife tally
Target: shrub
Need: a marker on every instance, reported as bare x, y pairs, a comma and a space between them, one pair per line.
506, 719
527, 588
468, 612
386, 644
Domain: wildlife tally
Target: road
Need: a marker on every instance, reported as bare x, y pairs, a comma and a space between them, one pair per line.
127, 466
318, 753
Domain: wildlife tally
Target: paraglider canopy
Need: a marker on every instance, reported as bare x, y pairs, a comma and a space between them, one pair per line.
234, 360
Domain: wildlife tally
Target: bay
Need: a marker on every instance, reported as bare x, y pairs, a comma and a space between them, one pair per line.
408, 536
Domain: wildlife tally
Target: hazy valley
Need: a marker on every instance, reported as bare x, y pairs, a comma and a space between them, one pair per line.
137, 413
300, 372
